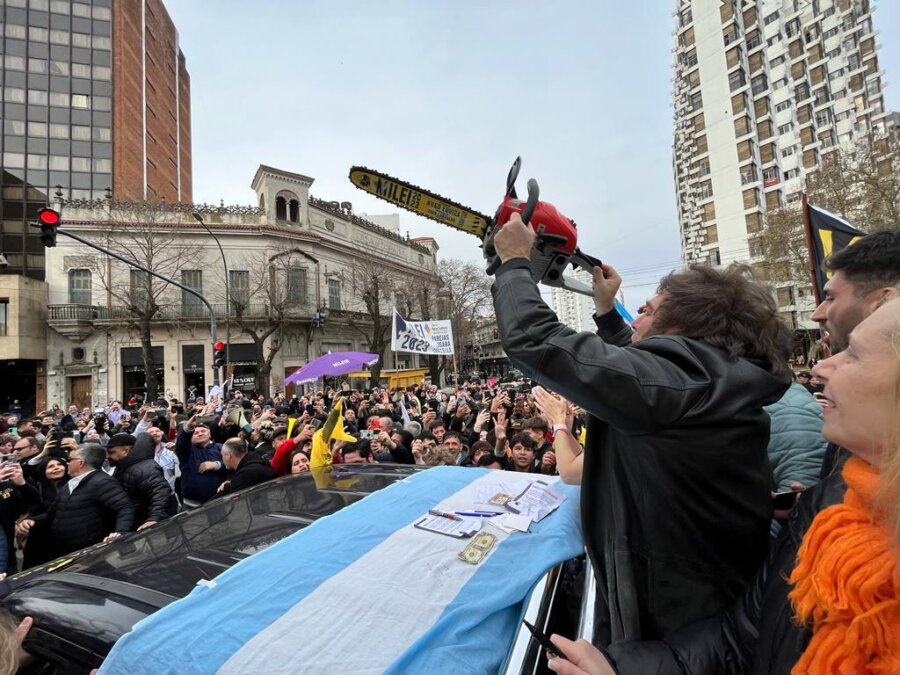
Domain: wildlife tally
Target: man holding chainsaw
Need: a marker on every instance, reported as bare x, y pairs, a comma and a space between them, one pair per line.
675, 495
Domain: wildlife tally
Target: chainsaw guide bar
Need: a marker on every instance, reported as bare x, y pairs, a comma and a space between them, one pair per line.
419, 201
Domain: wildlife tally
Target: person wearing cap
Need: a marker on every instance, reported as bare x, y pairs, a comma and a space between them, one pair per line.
804, 378
143, 479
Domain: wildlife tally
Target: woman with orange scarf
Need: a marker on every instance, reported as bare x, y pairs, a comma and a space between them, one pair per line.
828, 598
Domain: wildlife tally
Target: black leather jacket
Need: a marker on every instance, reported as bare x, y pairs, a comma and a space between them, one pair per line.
758, 635
145, 483
676, 482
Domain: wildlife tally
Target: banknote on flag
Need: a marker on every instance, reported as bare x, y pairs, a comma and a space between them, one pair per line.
363, 590
829, 233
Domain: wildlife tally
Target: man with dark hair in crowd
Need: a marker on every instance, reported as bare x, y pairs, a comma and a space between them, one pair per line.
356, 453
523, 454
202, 470
536, 427
248, 468
676, 412
92, 507
437, 428
142, 478
864, 276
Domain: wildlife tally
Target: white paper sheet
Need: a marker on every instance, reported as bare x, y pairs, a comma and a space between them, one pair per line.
537, 501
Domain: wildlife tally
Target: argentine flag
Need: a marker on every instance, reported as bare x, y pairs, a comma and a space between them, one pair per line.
363, 591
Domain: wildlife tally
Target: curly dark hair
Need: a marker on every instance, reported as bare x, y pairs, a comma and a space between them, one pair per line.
728, 309
872, 262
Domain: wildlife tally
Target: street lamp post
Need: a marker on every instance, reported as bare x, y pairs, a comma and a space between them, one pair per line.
199, 219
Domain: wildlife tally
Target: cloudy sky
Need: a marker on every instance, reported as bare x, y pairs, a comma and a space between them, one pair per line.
445, 94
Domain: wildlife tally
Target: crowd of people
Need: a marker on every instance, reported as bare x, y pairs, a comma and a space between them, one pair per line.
738, 516
136, 466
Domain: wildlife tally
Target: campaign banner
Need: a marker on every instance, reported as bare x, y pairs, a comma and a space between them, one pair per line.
421, 337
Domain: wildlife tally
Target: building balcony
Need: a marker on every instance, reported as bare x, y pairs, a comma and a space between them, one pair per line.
77, 321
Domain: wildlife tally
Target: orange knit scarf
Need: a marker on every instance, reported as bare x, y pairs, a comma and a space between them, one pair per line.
847, 584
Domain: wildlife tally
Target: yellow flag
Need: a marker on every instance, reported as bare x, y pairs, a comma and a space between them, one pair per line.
290, 427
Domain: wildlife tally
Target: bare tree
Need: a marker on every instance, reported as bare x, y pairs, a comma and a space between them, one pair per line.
470, 299
142, 232
374, 287
861, 184
267, 298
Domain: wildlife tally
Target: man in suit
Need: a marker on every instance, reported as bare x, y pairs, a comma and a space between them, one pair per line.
91, 508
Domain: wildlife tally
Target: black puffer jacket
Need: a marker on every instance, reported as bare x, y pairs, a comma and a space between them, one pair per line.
757, 636
252, 470
144, 481
77, 519
675, 492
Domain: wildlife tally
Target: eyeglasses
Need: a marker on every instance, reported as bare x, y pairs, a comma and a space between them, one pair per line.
75, 459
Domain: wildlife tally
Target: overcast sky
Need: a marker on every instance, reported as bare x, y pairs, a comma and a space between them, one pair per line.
445, 94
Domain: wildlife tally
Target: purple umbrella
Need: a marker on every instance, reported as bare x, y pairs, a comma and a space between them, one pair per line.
331, 365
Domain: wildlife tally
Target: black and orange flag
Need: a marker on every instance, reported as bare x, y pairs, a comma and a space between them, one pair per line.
828, 233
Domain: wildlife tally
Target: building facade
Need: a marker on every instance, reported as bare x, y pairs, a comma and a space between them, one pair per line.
96, 98
574, 309
291, 261
763, 91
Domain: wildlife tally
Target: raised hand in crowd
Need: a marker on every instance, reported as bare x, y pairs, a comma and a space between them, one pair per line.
481, 420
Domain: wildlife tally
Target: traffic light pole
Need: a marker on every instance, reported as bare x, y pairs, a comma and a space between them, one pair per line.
132, 263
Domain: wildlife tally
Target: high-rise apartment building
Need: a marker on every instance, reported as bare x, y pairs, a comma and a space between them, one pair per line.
96, 98
573, 309
763, 90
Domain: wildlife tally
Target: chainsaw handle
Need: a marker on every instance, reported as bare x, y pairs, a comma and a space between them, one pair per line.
534, 192
512, 176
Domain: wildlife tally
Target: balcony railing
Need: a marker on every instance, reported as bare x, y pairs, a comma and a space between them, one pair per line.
168, 312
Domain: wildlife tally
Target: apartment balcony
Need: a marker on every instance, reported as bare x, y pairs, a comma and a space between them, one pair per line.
75, 322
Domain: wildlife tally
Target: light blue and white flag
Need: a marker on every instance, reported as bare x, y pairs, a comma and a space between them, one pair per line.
362, 591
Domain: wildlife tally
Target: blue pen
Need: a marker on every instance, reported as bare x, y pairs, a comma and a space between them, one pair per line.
486, 514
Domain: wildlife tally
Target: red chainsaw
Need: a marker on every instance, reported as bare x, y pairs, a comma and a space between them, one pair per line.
555, 244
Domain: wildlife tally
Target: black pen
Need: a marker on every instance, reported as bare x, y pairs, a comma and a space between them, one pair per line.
543, 640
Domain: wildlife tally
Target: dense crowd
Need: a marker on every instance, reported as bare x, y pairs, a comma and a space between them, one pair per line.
150, 461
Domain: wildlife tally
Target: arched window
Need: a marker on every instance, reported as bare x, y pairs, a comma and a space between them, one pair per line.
280, 208
80, 287
294, 211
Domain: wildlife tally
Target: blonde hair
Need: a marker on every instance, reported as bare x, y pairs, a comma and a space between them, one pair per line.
439, 456
9, 644
889, 491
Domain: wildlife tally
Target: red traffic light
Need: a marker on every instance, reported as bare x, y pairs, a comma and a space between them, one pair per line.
219, 346
48, 217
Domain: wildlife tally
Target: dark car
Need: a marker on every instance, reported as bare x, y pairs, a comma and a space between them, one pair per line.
83, 603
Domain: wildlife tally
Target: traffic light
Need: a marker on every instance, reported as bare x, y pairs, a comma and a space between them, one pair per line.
48, 220
219, 354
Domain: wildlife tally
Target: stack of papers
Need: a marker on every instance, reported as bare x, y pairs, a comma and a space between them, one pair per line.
537, 501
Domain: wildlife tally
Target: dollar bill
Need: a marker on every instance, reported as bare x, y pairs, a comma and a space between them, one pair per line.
477, 549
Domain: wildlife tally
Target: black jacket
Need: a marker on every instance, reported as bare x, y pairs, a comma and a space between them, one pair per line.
145, 483
77, 519
758, 635
252, 470
675, 494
